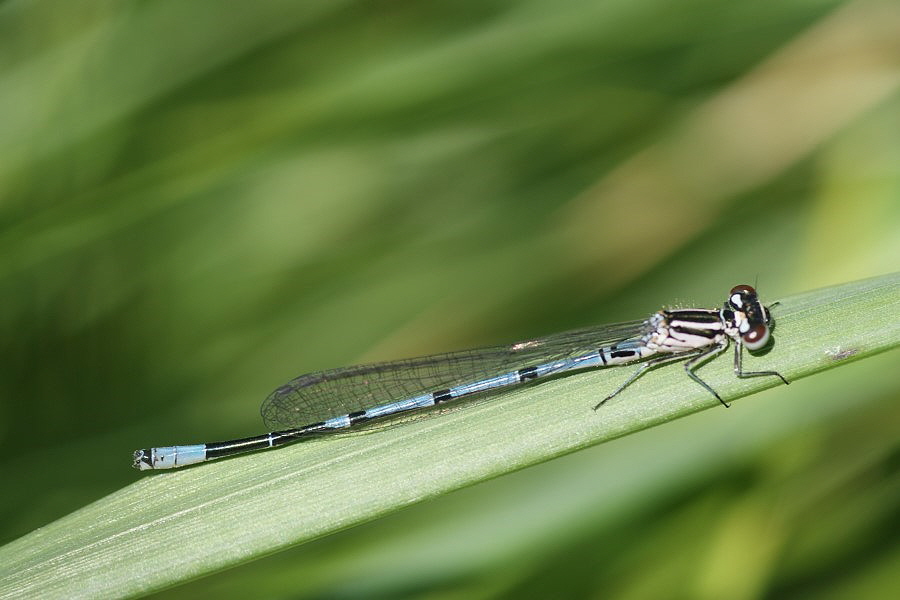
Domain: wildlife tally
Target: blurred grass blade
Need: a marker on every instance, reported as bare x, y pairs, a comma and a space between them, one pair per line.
171, 527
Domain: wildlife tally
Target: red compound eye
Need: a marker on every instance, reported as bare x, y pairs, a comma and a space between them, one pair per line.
741, 296
756, 337
742, 289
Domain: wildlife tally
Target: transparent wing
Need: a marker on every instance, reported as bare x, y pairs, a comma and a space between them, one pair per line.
324, 394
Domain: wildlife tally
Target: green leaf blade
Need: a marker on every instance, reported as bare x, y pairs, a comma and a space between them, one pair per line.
171, 527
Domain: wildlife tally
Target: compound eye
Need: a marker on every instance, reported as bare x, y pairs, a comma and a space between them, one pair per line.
742, 289
740, 296
756, 337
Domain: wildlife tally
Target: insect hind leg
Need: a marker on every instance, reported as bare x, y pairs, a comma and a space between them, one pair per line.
656, 362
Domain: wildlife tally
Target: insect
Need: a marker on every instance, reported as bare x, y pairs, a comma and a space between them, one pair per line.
339, 399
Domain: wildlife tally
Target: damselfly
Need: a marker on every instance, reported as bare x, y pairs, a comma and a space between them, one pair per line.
338, 399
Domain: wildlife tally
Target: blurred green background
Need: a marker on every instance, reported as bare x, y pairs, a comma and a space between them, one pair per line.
202, 200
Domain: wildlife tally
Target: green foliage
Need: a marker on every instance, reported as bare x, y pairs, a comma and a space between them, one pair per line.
176, 526
200, 200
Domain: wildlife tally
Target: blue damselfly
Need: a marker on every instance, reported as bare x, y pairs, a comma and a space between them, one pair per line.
338, 399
